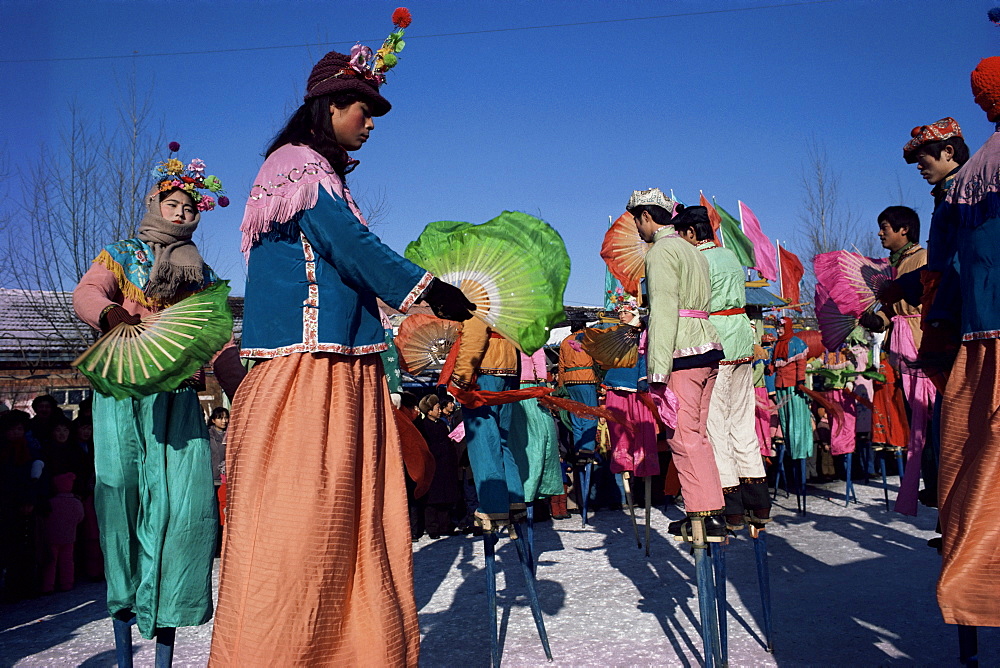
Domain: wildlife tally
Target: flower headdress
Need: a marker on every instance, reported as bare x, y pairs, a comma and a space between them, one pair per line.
621, 301
366, 64
172, 173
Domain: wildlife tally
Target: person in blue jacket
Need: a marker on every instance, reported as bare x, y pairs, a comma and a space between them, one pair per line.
316, 566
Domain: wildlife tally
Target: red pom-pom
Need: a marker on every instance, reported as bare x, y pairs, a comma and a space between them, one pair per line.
401, 17
915, 132
174, 147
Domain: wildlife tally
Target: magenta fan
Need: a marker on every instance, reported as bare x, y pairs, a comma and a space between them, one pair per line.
851, 280
834, 325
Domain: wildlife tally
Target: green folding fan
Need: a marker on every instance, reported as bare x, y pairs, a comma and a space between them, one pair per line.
514, 268
163, 350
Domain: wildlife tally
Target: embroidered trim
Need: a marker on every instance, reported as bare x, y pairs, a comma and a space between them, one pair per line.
978, 336
310, 307
794, 358
497, 372
417, 292
337, 348
666, 232
659, 378
619, 388
731, 490
291, 179
704, 513
697, 350
742, 360
288, 182
129, 289
752, 481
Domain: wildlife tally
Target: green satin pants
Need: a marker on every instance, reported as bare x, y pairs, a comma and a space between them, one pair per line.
156, 508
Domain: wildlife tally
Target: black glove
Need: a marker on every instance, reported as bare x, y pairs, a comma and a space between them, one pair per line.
116, 315
872, 321
448, 302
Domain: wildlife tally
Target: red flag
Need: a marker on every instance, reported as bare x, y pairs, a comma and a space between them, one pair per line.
791, 273
713, 216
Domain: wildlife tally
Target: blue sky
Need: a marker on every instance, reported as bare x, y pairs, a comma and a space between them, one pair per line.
562, 122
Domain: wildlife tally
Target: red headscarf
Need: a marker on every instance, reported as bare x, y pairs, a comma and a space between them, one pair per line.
781, 346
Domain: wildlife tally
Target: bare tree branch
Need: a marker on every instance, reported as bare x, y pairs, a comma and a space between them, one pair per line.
827, 222
74, 200
375, 206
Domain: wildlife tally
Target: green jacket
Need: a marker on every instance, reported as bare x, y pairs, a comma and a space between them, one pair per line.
677, 279
728, 292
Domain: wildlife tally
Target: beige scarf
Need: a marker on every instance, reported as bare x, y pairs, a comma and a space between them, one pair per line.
176, 260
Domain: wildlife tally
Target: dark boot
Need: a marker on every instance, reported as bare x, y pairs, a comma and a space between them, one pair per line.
715, 528
734, 507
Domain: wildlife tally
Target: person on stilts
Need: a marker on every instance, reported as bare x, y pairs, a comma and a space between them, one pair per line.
731, 415
683, 359
317, 561
963, 237
578, 376
155, 495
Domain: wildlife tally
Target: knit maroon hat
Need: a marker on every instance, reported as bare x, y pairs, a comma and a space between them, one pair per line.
333, 74
986, 86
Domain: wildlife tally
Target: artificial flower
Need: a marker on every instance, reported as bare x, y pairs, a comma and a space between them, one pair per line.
165, 186
361, 55
174, 147
223, 201
390, 60
197, 166
206, 203
213, 183
157, 171
174, 166
402, 17
176, 184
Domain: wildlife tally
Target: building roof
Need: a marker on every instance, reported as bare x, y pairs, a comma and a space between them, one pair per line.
758, 296
40, 326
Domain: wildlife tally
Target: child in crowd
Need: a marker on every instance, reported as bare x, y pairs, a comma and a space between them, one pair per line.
65, 515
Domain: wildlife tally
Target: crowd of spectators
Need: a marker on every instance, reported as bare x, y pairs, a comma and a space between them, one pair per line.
49, 538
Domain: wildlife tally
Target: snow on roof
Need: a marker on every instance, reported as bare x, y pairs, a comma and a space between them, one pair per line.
41, 324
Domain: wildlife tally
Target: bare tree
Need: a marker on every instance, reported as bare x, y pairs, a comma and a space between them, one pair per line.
374, 204
74, 200
827, 221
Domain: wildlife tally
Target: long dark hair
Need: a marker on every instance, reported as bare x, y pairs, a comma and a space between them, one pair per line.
310, 126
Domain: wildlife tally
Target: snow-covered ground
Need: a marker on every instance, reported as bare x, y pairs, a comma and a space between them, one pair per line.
850, 587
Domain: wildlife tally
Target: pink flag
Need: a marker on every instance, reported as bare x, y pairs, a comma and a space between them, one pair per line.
763, 249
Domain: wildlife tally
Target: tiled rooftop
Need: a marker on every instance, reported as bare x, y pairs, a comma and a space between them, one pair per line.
39, 325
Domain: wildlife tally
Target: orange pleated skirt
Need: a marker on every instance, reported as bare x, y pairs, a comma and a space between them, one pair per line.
316, 566
968, 590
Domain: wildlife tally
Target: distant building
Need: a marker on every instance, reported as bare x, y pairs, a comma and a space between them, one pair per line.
40, 336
